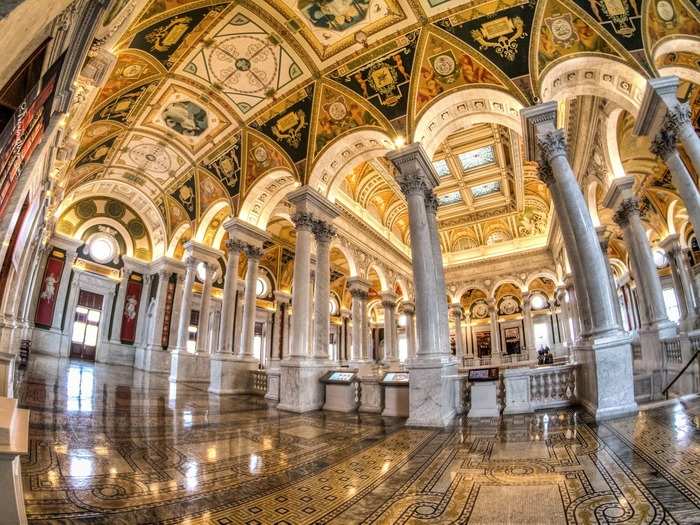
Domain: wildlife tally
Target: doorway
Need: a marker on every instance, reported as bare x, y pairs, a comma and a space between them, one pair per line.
86, 326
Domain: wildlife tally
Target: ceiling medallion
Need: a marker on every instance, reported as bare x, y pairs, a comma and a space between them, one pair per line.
186, 118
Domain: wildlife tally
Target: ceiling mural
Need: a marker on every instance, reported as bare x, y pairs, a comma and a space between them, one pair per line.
208, 97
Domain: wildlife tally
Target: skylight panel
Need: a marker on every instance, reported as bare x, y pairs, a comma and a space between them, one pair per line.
476, 158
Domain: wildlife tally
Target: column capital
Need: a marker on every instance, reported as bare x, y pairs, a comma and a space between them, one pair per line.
414, 167
628, 208
671, 244
431, 201
408, 308
411, 185
191, 263
323, 231
664, 143
357, 293
282, 297
677, 117
604, 235
303, 221
357, 283
253, 252
234, 245
552, 144
389, 299
545, 174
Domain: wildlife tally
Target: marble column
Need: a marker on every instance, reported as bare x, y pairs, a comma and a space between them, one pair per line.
279, 332
115, 337
409, 310
469, 344
664, 145
627, 217
572, 306
459, 335
204, 308
301, 284
560, 296
606, 384
391, 357
495, 332
528, 325
156, 312
343, 343
253, 253
142, 319
62, 294
683, 282
604, 240
323, 232
228, 305
186, 305
359, 290
431, 206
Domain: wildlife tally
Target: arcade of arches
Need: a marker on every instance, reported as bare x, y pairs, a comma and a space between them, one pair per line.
257, 258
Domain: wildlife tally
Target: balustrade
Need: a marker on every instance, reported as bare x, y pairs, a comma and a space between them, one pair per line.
258, 381
528, 389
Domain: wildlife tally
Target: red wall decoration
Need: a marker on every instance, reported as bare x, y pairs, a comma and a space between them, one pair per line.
168, 314
130, 314
49, 289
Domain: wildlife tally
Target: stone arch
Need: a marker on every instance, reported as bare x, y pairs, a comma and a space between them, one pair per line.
265, 195
676, 45
381, 274
107, 221
599, 76
670, 212
129, 195
612, 149
177, 235
505, 280
403, 285
464, 108
206, 219
347, 253
592, 201
618, 265
341, 157
465, 288
549, 274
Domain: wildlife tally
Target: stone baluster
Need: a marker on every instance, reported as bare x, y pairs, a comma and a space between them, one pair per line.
324, 233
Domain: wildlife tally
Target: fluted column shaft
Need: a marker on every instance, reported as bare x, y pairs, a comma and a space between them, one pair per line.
186, 305
431, 206
573, 206
228, 304
390, 349
459, 335
253, 253
301, 284
357, 338
664, 145
628, 218
323, 233
204, 307
409, 310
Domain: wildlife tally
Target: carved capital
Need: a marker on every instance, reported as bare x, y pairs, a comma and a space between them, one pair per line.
191, 263
431, 202
357, 293
627, 209
545, 174
664, 142
253, 252
552, 144
677, 117
233, 245
408, 308
303, 221
323, 231
411, 184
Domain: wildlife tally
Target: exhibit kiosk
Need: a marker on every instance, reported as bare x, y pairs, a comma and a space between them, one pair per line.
342, 390
484, 392
395, 394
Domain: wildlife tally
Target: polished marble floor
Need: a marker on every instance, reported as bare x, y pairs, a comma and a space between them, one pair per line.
113, 445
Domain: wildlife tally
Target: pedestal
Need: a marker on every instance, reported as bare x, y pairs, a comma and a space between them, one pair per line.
517, 387
371, 401
300, 386
273, 384
342, 397
396, 401
230, 374
14, 441
605, 383
115, 354
191, 368
154, 360
431, 394
7, 374
484, 400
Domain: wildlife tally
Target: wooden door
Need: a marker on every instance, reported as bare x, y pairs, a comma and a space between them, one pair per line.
86, 326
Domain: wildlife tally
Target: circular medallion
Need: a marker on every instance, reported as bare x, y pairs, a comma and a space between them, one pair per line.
260, 154
242, 64
337, 110
245, 63
150, 157
86, 209
114, 209
561, 29
136, 228
664, 9
132, 71
481, 310
444, 65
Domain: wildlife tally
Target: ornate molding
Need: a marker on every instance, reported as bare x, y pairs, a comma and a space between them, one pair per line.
253, 252
411, 184
357, 293
234, 245
323, 231
677, 117
303, 221
552, 144
627, 209
431, 202
664, 142
545, 173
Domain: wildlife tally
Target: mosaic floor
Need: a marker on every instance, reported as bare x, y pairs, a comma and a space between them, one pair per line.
110, 445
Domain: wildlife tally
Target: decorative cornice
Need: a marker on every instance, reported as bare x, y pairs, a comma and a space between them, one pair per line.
628, 208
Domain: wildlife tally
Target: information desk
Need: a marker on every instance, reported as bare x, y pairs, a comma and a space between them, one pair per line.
342, 393
395, 394
484, 392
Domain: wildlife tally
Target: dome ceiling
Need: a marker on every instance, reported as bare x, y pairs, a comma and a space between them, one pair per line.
208, 97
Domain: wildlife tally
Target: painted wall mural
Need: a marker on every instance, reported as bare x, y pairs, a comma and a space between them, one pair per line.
48, 293
186, 118
132, 300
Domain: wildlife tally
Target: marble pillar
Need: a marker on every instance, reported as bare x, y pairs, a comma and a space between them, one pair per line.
495, 332
459, 335
253, 254
119, 307
528, 325
228, 305
204, 308
431, 394
301, 287
323, 233
408, 309
391, 355
683, 283
606, 384
183, 333
604, 241
359, 291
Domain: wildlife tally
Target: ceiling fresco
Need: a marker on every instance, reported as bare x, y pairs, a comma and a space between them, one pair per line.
207, 97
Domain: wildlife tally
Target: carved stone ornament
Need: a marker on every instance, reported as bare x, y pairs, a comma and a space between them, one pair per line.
303, 220
628, 207
253, 252
357, 293
664, 142
677, 117
552, 144
545, 174
410, 184
191, 263
234, 245
323, 231
431, 202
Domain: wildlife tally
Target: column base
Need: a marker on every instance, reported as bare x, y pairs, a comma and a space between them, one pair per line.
274, 376
152, 359
115, 353
605, 380
431, 395
300, 387
191, 368
48, 342
391, 364
230, 374
371, 392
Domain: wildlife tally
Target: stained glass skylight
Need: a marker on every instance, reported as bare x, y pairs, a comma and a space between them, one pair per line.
450, 198
477, 157
441, 168
485, 189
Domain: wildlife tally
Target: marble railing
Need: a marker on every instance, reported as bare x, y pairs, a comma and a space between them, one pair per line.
672, 349
528, 389
258, 382
503, 361
636, 350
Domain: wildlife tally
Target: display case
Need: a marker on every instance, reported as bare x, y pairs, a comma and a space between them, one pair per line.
342, 390
483, 374
396, 400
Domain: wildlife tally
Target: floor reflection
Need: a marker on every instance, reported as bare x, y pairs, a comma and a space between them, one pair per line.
113, 445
